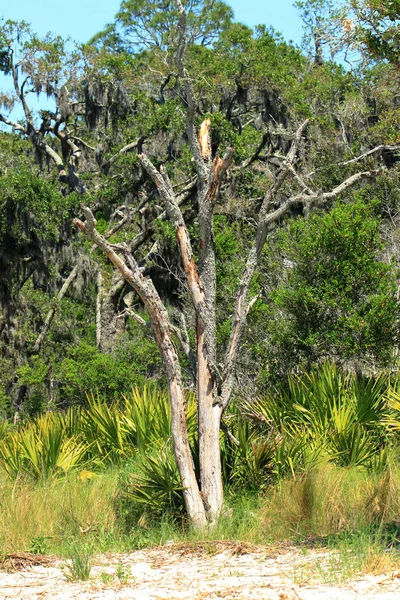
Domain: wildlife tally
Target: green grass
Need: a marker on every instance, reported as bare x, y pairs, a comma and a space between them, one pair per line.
51, 515
317, 465
351, 515
79, 565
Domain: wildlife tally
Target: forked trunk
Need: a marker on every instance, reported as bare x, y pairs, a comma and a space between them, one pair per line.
159, 318
183, 456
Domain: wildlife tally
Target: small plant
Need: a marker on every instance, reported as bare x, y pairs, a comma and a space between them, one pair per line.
38, 544
123, 573
80, 565
106, 578
153, 488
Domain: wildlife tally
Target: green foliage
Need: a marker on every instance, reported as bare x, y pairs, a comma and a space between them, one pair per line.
54, 444
328, 439
123, 573
339, 299
326, 416
147, 417
80, 564
86, 370
146, 23
335, 502
39, 545
41, 449
320, 22
320, 418
248, 463
153, 489
26, 203
102, 427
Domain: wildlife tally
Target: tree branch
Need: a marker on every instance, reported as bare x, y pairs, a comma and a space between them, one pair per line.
249, 161
380, 148
265, 220
136, 145
81, 141
175, 216
15, 126
144, 287
50, 315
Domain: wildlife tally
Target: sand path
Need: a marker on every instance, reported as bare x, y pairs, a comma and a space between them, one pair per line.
206, 573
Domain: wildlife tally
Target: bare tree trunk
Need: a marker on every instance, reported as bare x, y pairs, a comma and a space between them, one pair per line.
202, 292
99, 304
144, 287
209, 422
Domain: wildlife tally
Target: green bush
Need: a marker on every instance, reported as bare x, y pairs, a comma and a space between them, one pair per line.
338, 300
86, 370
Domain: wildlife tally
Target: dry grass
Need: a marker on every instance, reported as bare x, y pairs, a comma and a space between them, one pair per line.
19, 562
212, 547
331, 500
48, 515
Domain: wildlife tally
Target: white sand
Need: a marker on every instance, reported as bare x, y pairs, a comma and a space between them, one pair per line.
175, 574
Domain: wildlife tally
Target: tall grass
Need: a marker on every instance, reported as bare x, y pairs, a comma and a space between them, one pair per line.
334, 507
58, 513
329, 500
317, 458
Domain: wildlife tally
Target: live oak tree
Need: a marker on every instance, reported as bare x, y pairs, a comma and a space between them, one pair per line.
214, 375
149, 23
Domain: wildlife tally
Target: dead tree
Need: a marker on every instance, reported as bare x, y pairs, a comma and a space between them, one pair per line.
215, 378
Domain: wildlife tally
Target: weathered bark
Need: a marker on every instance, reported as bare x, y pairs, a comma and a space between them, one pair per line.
99, 304
203, 292
145, 289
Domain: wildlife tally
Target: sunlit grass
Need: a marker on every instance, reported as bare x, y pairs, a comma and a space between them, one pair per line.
329, 500
349, 517
56, 513
103, 477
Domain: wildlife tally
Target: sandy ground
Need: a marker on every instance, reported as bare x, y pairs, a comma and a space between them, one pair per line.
176, 573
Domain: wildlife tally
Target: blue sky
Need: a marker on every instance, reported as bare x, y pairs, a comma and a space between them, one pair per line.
81, 19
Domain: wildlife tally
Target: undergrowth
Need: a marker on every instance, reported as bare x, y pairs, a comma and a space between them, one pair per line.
315, 465
352, 515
